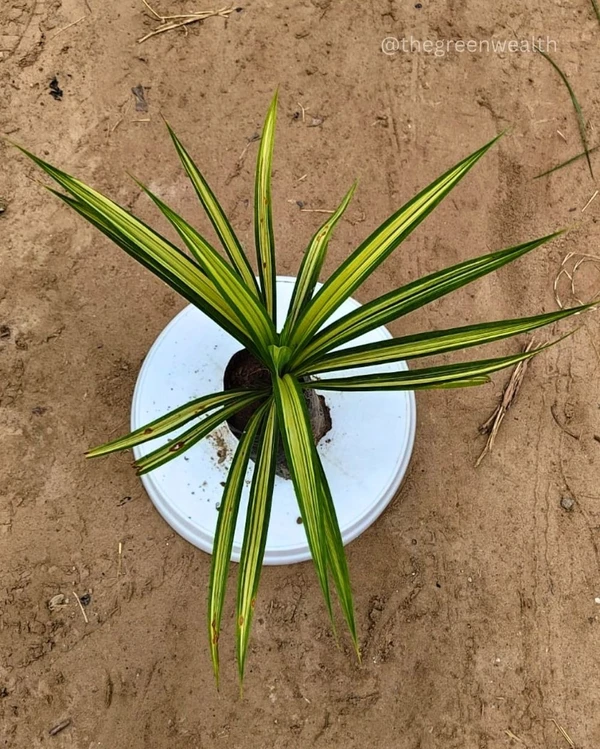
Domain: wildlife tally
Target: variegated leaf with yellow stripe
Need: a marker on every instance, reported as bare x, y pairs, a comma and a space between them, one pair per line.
376, 248
434, 342
189, 438
217, 216
407, 299
263, 215
451, 375
308, 275
172, 420
255, 533
226, 523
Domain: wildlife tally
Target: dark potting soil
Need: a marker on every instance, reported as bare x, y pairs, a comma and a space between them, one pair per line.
244, 370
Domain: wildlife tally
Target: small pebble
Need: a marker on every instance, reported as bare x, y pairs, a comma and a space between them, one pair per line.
597, 600
567, 503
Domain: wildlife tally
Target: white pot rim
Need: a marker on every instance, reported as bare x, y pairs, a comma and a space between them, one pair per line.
365, 456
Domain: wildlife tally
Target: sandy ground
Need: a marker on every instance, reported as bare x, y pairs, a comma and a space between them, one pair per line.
476, 589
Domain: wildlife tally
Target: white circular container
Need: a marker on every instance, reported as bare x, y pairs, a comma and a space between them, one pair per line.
365, 455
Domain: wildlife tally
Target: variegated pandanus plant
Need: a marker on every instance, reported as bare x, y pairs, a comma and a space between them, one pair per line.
308, 344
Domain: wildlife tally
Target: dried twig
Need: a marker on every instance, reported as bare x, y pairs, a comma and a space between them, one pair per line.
59, 727
124, 110
492, 425
154, 13
168, 23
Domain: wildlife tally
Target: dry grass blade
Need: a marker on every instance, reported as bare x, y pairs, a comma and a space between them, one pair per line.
581, 155
168, 23
315, 210
579, 259
590, 201
68, 26
492, 425
576, 106
514, 736
564, 734
240, 162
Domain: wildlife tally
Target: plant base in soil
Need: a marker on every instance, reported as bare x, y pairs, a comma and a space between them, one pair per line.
244, 370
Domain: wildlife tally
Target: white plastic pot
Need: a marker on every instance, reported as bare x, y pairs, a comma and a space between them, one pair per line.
365, 455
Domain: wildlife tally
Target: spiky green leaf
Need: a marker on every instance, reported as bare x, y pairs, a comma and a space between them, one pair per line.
435, 342
312, 263
576, 106
247, 307
217, 216
408, 298
336, 556
255, 532
263, 214
464, 373
298, 443
146, 246
170, 421
226, 524
581, 155
280, 356
376, 248
189, 438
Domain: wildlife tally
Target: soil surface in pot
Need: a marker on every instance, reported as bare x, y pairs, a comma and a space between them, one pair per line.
244, 370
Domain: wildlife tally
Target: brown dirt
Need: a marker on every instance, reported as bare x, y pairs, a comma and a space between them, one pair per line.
476, 590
